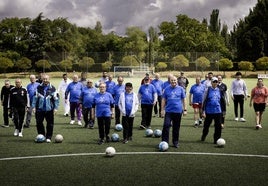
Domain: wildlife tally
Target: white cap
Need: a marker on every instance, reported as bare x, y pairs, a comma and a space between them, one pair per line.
214, 79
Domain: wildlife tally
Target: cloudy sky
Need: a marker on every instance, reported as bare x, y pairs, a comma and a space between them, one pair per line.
116, 15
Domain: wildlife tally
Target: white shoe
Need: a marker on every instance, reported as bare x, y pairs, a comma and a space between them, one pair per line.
236, 119
258, 126
48, 140
16, 132
72, 122
79, 123
20, 134
242, 119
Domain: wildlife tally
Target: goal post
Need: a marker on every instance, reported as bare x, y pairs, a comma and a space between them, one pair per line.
264, 76
130, 71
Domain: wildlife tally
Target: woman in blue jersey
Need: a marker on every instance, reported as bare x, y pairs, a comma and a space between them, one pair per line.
103, 107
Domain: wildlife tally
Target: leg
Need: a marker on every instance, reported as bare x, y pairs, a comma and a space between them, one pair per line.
217, 126
72, 109
207, 123
149, 115
78, 111
50, 123
166, 127
159, 105
130, 127
241, 103
117, 114
28, 117
21, 113
236, 106
5, 115
85, 112
101, 127
176, 120
16, 118
91, 121
39, 116
107, 127
125, 127
143, 115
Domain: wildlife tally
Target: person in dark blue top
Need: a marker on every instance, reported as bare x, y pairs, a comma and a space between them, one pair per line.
118, 89
158, 84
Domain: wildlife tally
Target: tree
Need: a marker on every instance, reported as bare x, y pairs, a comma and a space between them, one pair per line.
86, 63
179, 61
262, 63
24, 63
66, 64
246, 66
202, 63
215, 23
106, 66
42, 63
129, 61
225, 64
5, 63
161, 66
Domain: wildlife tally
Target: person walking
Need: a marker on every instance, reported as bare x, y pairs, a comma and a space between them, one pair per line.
103, 107
110, 84
128, 105
61, 90
45, 105
158, 84
238, 95
212, 110
31, 89
18, 103
5, 92
183, 81
118, 89
173, 106
259, 97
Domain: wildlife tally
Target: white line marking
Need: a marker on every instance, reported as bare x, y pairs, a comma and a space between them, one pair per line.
136, 153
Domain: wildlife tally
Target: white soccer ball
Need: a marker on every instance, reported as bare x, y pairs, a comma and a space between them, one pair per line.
58, 138
110, 151
157, 133
40, 138
163, 146
115, 137
118, 127
221, 142
149, 132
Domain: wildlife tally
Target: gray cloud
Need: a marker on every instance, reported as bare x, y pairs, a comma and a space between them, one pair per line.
116, 15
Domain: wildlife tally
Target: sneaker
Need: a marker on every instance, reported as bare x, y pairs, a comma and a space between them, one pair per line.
72, 122
26, 126
125, 141
195, 125
20, 134
16, 132
242, 120
236, 119
91, 126
5, 126
101, 141
142, 127
176, 145
79, 123
258, 126
66, 114
48, 140
200, 122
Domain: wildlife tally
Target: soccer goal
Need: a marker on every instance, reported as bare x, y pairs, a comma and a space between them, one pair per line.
130, 71
263, 76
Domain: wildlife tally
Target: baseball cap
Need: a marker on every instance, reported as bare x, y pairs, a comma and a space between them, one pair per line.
214, 79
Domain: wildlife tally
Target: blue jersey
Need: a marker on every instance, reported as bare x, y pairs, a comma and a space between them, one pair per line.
212, 101
174, 97
158, 86
87, 96
165, 85
75, 90
147, 92
103, 103
110, 86
118, 89
128, 103
198, 91
31, 89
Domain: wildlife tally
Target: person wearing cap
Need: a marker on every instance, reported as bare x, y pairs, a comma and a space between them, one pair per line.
183, 81
147, 75
212, 109
128, 105
148, 97
86, 100
239, 94
158, 83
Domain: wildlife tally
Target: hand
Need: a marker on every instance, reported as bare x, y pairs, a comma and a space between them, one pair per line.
162, 113
33, 110
185, 112
55, 111
112, 116
203, 115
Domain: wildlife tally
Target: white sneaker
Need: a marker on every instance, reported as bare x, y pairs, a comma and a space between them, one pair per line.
236, 119
16, 132
48, 140
79, 123
20, 134
242, 119
72, 122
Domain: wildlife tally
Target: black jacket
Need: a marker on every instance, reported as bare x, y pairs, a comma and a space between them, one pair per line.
5, 94
19, 98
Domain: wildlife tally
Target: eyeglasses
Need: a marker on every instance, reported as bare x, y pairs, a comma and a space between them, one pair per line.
214, 81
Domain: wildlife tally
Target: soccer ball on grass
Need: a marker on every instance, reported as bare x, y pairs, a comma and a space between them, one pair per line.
58, 138
40, 138
110, 151
149, 132
163, 146
221, 142
118, 127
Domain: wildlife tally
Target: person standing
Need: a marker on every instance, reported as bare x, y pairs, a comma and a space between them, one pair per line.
173, 106
147, 97
259, 97
207, 82
45, 105
238, 95
87, 97
195, 100
128, 105
110, 84
103, 79
118, 89
5, 92
61, 90
183, 81
158, 84
74, 90
31, 88
167, 83
103, 106
18, 103
212, 110
147, 75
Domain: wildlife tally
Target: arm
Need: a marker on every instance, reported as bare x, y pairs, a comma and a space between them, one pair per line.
163, 105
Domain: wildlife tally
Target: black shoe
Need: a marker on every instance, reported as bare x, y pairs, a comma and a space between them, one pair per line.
5, 126
91, 127
195, 125
101, 141
176, 145
26, 126
125, 141
107, 139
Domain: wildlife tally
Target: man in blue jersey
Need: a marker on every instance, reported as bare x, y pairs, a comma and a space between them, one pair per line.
167, 83
74, 89
173, 106
110, 84
212, 109
158, 83
148, 98
103, 107
118, 89
195, 100
87, 97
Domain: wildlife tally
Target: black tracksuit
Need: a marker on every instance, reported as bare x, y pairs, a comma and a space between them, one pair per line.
4, 98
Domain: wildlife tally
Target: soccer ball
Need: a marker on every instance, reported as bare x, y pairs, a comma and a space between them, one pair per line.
58, 138
157, 133
110, 151
163, 146
40, 138
118, 127
115, 137
149, 132
220, 142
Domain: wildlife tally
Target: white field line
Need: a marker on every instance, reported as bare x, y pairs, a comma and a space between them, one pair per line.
136, 153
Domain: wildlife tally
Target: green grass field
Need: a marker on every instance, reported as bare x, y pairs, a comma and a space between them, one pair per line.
79, 160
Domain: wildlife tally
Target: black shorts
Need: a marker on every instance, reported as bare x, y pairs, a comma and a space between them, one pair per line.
259, 107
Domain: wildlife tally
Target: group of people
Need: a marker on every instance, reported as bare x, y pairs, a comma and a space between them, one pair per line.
167, 99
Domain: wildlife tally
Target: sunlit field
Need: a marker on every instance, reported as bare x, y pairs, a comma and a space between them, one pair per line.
79, 160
